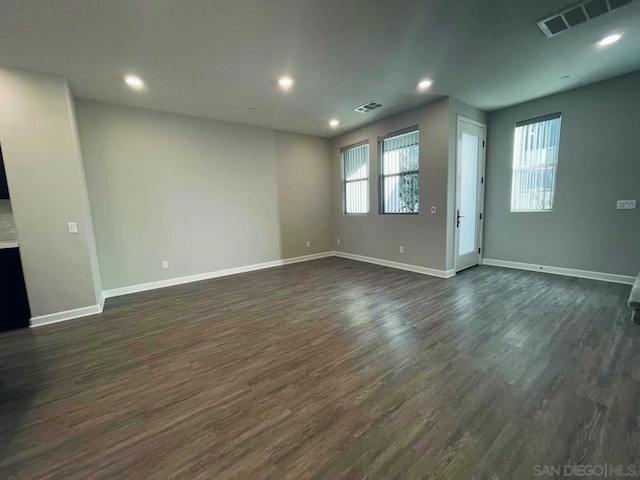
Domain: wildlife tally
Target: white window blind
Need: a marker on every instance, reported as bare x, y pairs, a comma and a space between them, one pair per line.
399, 180
535, 159
355, 164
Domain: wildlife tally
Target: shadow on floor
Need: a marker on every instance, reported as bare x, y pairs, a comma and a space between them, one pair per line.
21, 376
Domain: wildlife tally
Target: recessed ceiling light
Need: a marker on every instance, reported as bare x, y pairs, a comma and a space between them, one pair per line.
285, 82
609, 39
134, 82
334, 122
424, 84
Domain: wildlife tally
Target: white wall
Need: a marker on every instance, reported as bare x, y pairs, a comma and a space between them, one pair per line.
204, 195
48, 189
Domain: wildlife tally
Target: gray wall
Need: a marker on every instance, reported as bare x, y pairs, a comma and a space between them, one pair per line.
48, 189
380, 236
427, 239
304, 193
204, 195
599, 163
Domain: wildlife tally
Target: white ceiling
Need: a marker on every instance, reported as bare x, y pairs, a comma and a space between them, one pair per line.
219, 58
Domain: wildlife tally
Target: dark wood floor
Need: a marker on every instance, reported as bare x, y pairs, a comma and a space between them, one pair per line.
328, 369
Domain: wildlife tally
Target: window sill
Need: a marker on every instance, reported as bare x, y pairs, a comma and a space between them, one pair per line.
531, 211
402, 214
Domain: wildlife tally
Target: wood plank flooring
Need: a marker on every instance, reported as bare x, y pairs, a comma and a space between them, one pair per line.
328, 369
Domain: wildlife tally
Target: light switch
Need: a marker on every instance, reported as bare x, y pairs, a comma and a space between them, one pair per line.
72, 227
626, 205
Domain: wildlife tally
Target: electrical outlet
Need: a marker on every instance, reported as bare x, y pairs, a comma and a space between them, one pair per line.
433, 210
72, 227
626, 205
338, 241
165, 264
308, 244
401, 249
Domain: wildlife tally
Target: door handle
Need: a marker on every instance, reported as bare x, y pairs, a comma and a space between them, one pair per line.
458, 217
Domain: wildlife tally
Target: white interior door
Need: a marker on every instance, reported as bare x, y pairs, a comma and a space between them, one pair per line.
469, 192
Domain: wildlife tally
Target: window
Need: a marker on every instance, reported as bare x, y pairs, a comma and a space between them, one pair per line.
535, 158
355, 168
399, 168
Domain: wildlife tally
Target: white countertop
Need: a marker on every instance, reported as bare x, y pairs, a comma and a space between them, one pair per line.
8, 238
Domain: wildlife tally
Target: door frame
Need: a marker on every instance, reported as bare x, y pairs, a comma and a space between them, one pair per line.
462, 119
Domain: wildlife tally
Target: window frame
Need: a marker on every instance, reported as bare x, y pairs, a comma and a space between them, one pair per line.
382, 176
524, 123
367, 180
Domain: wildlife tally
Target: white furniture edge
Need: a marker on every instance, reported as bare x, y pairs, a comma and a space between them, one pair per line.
8, 244
400, 266
568, 272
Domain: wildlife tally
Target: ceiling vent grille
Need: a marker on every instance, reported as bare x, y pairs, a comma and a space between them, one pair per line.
367, 107
577, 14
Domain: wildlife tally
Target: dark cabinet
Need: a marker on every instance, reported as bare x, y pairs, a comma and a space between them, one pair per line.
4, 188
14, 305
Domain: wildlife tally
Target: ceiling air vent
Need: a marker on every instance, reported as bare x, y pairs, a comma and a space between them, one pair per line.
367, 107
577, 14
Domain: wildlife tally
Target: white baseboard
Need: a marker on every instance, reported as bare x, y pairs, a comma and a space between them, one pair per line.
143, 287
66, 315
95, 309
400, 266
568, 272
306, 258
